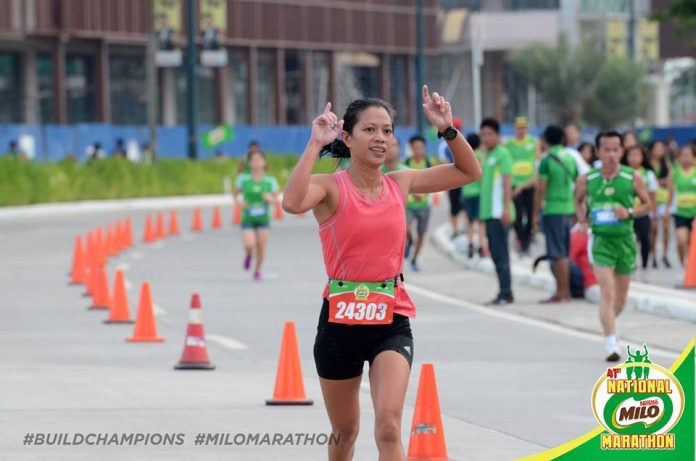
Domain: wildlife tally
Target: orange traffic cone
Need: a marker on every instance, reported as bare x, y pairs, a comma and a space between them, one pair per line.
197, 224
195, 356
148, 236
278, 215
217, 220
159, 232
78, 263
129, 232
237, 219
173, 223
109, 241
100, 297
145, 328
427, 440
690, 273
436, 199
118, 313
289, 387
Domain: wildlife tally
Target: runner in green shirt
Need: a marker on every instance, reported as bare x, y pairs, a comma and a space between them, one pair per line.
525, 151
259, 191
417, 205
496, 206
659, 160
471, 197
607, 195
557, 174
682, 196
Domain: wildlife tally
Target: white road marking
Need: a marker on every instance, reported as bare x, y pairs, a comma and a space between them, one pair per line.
228, 342
492, 312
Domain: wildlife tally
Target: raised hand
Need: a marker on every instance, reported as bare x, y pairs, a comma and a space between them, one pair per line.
437, 110
325, 128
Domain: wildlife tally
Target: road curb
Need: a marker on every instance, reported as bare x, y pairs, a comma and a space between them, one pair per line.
664, 302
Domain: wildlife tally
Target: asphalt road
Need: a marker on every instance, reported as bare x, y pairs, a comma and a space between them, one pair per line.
509, 386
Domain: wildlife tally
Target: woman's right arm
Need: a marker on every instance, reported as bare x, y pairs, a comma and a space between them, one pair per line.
303, 191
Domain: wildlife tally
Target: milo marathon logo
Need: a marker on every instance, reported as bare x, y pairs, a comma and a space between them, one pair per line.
638, 403
361, 292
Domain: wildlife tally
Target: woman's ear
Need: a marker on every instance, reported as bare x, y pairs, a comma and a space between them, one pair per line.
345, 136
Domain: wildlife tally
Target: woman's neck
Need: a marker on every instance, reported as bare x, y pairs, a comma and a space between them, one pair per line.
367, 178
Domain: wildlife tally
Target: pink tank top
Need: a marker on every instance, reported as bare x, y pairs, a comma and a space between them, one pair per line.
364, 240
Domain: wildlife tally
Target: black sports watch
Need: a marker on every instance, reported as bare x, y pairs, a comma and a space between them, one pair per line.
449, 134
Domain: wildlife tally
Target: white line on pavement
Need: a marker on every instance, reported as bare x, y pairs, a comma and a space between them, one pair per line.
228, 342
524, 320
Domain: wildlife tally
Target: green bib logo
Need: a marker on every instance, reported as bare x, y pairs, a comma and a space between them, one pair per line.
361, 292
638, 402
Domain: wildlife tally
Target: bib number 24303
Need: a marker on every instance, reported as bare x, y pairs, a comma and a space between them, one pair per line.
361, 303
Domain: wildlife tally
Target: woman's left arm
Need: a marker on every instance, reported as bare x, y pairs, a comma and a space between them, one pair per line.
465, 168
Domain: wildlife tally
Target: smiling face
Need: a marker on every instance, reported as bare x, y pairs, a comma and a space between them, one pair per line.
371, 136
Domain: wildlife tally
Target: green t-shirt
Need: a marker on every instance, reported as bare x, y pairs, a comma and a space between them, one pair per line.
417, 201
603, 195
473, 189
684, 192
523, 158
560, 182
492, 198
257, 210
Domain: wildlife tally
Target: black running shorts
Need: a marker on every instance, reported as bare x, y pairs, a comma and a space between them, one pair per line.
340, 351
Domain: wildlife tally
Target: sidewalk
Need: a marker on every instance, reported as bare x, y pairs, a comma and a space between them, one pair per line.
651, 299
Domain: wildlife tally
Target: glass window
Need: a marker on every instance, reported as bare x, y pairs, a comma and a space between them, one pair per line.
265, 88
398, 87
239, 84
128, 89
293, 88
319, 83
358, 77
79, 84
10, 90
205, 82
44, 73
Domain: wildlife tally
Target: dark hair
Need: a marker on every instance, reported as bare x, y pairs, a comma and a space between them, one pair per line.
645, 161
491, 123
474, 140
591, 146
608, 134
664, 167
553, 135
337, 148
415, 138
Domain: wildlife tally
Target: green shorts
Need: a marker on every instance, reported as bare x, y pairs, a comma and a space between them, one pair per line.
615, 251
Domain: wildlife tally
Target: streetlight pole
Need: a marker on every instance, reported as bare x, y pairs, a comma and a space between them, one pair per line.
191, 104
420, 64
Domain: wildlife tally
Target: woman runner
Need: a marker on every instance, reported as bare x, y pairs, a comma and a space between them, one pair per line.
360, 211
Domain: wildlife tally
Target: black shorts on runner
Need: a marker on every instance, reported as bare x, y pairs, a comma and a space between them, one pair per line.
471, 207
340, 351
455, 198
680, 221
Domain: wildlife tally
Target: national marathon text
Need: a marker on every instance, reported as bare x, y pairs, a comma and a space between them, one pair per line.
174, 439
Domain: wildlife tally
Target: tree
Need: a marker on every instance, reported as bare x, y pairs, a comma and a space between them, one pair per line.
683, 13
564, 78
583, 84
619, 96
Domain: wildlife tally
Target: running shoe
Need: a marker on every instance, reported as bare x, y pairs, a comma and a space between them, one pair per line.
247, 262
257, 276
613, 357
470, 252
414, 266
408, 248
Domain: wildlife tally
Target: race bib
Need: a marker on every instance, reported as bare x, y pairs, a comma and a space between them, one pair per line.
256, 210
686, 200
522, 168
604, 217
661, 195
361, 303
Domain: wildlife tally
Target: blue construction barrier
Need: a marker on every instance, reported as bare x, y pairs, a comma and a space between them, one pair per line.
55, 142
